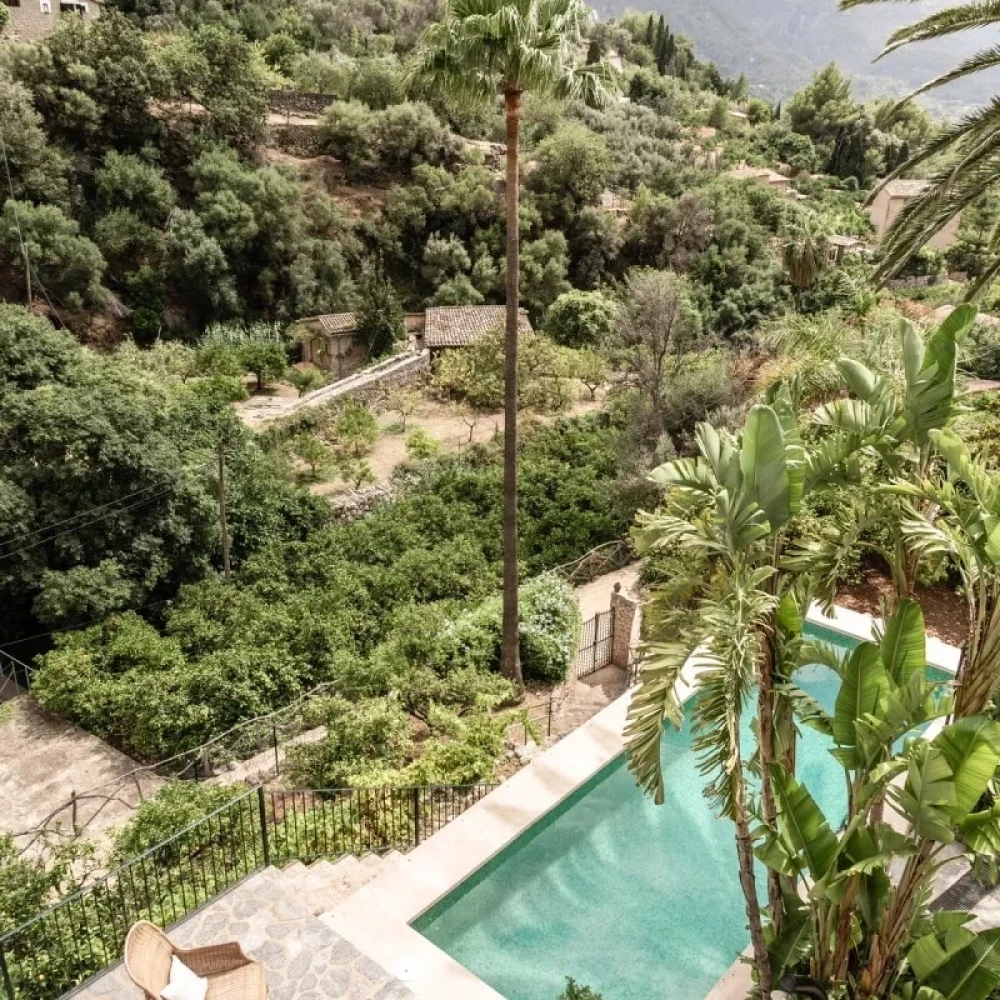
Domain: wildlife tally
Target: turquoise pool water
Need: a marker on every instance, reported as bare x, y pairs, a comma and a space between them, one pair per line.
637, 901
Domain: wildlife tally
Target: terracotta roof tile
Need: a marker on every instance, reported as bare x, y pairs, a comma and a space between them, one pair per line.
337, 322
459, 326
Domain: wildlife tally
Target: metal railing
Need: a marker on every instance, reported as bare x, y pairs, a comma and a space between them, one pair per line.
596, 644
83, 933
14, 672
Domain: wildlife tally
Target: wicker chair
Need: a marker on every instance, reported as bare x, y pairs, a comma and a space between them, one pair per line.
230, 974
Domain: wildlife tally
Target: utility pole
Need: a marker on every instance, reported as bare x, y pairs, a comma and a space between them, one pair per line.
222, 512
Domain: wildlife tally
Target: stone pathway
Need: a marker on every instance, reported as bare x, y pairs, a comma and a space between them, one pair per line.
305, 958
46, 758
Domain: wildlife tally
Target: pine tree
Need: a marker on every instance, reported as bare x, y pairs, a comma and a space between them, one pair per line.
380, 316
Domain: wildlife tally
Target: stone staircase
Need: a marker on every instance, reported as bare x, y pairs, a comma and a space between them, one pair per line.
320, 886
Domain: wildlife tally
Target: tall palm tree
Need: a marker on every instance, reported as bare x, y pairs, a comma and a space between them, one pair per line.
482, 48
970, 147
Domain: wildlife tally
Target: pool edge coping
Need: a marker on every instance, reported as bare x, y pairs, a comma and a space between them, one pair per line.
377, 918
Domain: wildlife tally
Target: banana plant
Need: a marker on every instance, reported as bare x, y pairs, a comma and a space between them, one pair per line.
897, 415
732, 506
852, 930
965, 528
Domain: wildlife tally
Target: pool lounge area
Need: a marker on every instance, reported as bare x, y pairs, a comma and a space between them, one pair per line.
567, 869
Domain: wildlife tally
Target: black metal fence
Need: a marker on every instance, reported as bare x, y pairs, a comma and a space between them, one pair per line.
83, 933
596, 644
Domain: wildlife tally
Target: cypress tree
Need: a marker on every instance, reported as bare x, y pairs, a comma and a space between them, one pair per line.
593, 52
380, 317
650, 31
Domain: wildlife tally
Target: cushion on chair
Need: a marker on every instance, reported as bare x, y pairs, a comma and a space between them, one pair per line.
184, 984
249, 982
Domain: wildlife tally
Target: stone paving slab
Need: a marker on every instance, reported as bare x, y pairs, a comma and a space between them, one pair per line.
304, 957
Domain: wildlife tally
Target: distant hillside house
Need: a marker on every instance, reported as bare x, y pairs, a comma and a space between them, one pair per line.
333, 343
762, 175
890, 201
33, 19
614, 204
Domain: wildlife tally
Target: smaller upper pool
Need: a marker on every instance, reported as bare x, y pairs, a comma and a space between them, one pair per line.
637, 901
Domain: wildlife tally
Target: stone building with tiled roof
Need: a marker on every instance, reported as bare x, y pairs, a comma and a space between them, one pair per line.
331, 342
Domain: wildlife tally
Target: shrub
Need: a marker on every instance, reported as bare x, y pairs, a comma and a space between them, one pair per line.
306, 380
549, 630
175, 807
362, 735
982, 354
420, 445
580, 319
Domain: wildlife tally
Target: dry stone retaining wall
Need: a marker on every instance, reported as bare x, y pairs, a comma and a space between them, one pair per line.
369, 384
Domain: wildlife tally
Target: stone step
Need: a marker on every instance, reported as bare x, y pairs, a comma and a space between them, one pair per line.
321, 885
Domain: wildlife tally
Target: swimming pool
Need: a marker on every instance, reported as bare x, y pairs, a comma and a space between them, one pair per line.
633, 899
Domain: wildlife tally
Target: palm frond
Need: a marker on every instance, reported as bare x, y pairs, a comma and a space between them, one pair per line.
654, 704
950, 21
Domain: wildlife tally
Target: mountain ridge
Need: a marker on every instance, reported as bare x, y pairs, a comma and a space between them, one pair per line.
779, 44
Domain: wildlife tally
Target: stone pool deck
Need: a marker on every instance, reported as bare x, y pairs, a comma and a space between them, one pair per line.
305, 958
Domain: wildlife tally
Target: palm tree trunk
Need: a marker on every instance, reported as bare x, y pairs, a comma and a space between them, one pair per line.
766, 748
510, 661
748, 880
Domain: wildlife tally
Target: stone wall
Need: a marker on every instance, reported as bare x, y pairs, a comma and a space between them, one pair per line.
298, 102
353, 504
298, 139
370, 384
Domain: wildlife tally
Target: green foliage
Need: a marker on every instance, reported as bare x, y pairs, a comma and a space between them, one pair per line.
379, 315
266, 362
48, 241
475, 373
331, 607
982, 356
93, 429
580, 319
355, 428
306, 380
420, 445
572, 168
309, 449
398, 138
29, 883
176, 806
362, 738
